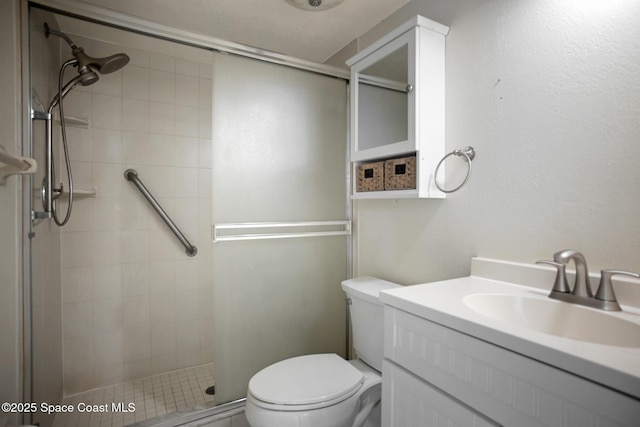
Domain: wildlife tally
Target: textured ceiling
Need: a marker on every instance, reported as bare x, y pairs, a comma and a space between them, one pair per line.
272, 25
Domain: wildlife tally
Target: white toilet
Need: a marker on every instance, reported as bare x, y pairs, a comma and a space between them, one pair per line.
324, 390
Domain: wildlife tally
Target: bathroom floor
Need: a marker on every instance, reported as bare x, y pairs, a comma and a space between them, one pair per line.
152, 396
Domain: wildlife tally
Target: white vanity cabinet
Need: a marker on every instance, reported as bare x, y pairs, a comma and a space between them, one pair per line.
397, 106
434, 375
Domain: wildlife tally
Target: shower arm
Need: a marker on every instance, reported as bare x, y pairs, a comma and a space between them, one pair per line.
48, 30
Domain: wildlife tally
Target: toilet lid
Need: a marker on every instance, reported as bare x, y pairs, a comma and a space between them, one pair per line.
305, 380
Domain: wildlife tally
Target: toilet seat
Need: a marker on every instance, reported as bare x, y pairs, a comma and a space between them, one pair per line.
305, 382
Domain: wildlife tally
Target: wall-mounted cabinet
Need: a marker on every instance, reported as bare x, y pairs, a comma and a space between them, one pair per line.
397, 110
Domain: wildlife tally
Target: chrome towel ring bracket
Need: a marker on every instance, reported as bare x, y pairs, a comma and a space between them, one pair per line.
468, 153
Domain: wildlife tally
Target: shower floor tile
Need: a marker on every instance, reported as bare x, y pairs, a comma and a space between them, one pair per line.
139, 400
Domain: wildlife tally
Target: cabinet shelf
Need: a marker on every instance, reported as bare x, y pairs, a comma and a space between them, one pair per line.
423, 179
386, 194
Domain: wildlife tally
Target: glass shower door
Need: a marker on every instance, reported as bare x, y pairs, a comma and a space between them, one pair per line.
279, 155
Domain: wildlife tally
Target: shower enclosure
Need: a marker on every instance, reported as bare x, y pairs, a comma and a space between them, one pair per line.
113, 290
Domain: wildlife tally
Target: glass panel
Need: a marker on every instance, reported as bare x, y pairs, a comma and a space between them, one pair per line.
383, 101
392, 67
279, 155
134, 304
382, 117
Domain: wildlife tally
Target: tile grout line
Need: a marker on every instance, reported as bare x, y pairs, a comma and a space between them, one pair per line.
152, 396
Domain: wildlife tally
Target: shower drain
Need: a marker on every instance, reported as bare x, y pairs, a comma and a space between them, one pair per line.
211, 390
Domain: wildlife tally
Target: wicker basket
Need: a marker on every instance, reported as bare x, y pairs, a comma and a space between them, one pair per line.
370, 177
400, 174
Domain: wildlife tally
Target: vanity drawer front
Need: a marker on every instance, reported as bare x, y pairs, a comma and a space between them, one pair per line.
407, 401
509, 388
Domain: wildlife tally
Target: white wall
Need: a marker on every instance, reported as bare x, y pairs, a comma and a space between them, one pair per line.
10, 255
548, 93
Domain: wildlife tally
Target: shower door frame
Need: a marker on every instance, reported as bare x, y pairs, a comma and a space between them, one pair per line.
124, 22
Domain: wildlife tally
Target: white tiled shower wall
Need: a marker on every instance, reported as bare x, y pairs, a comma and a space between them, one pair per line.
134, 304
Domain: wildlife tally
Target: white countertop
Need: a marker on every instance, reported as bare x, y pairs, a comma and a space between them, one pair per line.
442, 302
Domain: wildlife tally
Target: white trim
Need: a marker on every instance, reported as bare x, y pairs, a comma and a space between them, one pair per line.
344, 228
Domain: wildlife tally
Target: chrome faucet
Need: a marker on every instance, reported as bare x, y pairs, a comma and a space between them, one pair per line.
581, 287
604, 298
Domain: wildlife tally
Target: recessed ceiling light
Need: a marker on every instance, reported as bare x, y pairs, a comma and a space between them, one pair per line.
314, 5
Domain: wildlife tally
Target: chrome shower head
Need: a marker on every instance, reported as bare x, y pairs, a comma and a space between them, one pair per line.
113, 63
105, 65
88, 65
88, 78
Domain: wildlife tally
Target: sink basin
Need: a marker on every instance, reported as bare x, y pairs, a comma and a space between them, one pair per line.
556, 318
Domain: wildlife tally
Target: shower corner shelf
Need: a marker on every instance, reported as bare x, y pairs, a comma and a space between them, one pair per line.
83, 191
76, 122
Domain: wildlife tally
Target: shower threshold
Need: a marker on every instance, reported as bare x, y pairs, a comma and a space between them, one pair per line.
163, 397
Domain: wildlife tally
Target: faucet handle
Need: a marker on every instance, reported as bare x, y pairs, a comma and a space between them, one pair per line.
605, 289
560, 284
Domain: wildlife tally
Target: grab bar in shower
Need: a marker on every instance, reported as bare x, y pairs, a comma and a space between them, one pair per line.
132, 175
279, 230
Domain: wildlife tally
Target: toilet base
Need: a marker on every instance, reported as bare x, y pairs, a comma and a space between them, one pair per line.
375, 418
338, 415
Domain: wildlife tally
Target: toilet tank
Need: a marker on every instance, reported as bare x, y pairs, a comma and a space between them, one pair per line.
367, 317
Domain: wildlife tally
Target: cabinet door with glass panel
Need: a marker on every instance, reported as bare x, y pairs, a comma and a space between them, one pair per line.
397, 110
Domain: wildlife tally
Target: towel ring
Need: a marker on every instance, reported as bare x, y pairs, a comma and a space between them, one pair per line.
469, 154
